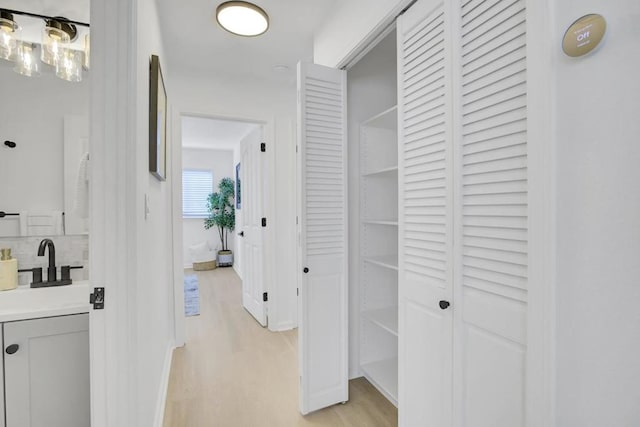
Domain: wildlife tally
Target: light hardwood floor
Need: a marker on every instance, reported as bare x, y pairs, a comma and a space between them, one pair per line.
233, 372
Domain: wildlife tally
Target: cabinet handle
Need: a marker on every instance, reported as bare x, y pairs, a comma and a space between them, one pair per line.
444, 304
12, 348
305, 270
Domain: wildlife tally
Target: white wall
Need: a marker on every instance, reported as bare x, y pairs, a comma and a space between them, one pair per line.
154, 333
351, 25
598, 221
229, 97
32, 115
371, 89
193, 231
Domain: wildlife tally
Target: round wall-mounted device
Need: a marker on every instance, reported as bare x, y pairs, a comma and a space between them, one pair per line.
584, 35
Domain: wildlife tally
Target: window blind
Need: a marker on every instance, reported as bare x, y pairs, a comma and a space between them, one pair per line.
197, 184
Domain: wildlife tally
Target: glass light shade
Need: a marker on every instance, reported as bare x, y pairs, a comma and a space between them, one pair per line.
8, 38
27, 62
69, 66
87, 52
54, 43
242, 18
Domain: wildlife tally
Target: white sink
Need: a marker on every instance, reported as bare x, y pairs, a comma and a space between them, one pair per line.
29, 303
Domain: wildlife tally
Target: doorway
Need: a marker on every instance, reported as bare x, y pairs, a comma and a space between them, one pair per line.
219, 153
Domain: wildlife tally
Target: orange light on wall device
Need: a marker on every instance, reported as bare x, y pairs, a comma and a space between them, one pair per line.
242, 18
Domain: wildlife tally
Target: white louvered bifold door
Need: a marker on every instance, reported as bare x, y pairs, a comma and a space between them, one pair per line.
491, 299
323, 323
425, 215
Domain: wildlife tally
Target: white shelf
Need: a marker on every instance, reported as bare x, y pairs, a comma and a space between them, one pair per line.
388, 119
388, 261
389, 170
386, 318
380, 222
384, 376
378, 199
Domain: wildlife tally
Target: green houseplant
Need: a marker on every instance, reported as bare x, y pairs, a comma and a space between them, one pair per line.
222, 214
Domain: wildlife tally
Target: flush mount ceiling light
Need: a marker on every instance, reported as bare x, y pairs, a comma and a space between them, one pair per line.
242, 18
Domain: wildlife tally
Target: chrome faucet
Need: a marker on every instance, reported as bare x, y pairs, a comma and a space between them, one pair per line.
51, 270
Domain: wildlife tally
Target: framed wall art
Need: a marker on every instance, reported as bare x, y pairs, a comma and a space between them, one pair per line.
157, 121
238, 200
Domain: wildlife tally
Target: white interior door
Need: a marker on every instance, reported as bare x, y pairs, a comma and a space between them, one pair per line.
253, 188
492, 212
323, 322
425, 216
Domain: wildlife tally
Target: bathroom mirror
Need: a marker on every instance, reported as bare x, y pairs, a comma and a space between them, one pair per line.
44, 164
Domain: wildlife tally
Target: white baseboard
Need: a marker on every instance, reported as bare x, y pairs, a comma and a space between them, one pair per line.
284, 326
236, 269
164, 387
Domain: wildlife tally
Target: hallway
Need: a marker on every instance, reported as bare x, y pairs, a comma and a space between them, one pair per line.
232, 372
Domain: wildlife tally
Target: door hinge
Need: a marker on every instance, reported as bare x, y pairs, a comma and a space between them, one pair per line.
264, 222
97, 298
297, 292
263, 147
265, 297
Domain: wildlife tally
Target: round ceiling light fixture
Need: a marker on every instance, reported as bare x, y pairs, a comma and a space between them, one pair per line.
242, 18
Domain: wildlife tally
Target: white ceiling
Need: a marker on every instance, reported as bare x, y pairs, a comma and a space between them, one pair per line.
200, 132
76, 10
194, 42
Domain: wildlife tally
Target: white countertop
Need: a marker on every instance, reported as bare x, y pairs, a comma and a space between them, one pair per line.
30, 303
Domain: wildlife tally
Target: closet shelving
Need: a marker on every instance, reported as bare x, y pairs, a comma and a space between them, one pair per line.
379, 252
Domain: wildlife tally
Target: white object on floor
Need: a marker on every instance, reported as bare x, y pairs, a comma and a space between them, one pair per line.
202, 252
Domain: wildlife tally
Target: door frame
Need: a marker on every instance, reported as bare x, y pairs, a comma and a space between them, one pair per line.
267, 124
541, 313
113, 125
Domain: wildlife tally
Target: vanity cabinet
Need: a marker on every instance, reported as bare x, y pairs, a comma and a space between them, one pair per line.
46, 377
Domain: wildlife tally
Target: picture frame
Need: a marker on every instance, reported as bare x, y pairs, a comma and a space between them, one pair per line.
157, 121
238, 187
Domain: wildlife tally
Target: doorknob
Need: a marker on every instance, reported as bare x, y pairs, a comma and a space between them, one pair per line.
12, 348
305, 270
444, 304
241, 234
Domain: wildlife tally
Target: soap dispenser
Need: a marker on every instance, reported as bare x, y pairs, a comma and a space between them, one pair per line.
8, 270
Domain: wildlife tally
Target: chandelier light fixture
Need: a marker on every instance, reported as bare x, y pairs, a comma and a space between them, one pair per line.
61, 44
242, 18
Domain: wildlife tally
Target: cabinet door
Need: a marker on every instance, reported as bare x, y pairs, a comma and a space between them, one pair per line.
47, 378
425, 215
323, 348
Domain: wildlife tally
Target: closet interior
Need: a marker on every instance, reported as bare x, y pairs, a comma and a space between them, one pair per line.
373, 174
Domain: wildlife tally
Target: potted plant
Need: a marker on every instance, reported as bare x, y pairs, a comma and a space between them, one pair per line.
222, 214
